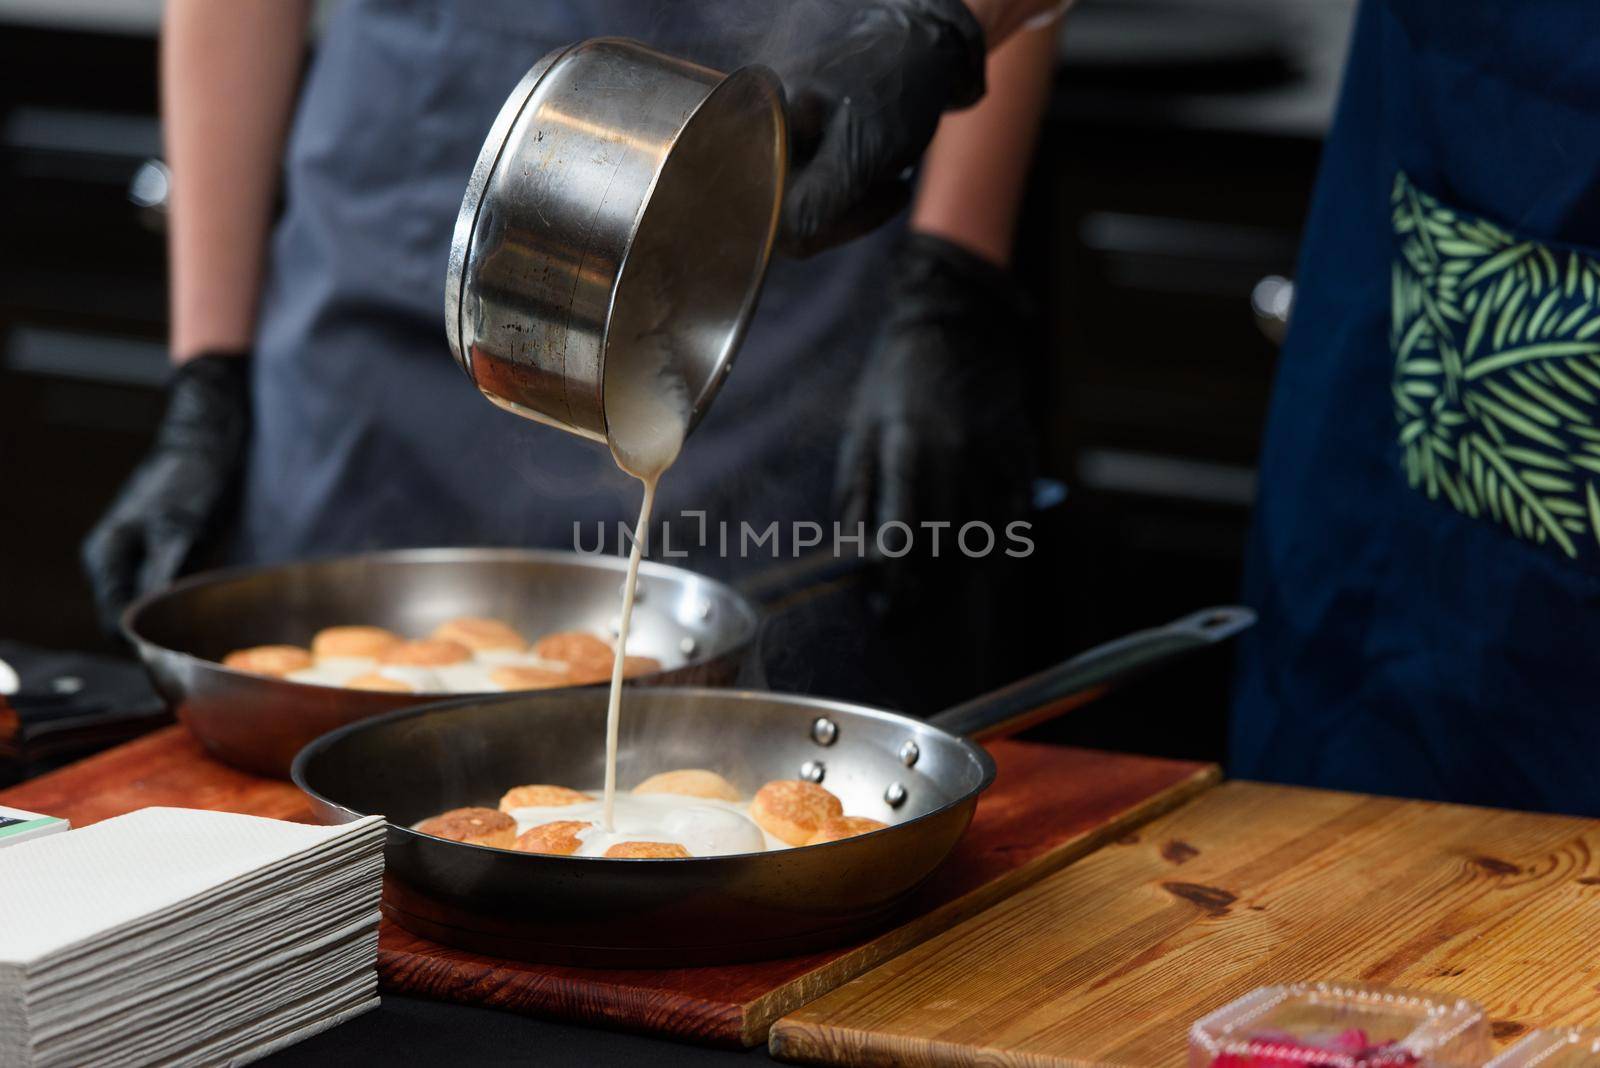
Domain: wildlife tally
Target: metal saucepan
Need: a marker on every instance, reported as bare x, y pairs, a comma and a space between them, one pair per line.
621, 213
700, 630
922, 777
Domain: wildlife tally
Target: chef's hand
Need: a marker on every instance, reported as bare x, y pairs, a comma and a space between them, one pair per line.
861, 112
939, 431
172, 500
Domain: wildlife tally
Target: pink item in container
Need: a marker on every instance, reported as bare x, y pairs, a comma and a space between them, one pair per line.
1340, 1025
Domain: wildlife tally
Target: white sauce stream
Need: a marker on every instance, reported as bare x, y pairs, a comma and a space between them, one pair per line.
614, 706
647, 417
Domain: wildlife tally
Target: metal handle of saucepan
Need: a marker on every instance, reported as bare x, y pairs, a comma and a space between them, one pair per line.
1082, 678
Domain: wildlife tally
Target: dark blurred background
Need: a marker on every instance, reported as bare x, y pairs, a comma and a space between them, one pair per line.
1172, 177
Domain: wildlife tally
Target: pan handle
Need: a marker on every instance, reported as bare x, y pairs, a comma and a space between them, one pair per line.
1084, 677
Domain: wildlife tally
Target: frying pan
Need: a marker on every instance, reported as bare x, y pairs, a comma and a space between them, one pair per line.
922, 777
699, 629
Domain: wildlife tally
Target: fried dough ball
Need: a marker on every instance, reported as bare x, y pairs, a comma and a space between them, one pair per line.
365, 642
792, 810
838, 827
383, 683
480, 634
558, 839
541, 796
515, 677
276, 660
690, 782
634, 666
591, 671
576, 649
647, 851
474, 826
587, 673
425, 652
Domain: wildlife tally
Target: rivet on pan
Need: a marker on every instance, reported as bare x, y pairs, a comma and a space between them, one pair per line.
813, 771
703, 609
909, 753
66, 684
895, 795
824, 731
687, 646
638, 592
615, 627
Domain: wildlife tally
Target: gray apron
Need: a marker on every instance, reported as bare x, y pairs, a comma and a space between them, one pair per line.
368, 436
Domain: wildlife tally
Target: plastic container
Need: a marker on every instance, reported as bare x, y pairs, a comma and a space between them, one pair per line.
1562, 1047
1340, 1025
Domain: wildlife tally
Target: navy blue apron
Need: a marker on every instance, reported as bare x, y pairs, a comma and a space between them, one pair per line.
368, 436
1426, 548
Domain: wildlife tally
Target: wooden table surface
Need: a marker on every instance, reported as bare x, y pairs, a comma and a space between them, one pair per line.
1109, 961
1049, 806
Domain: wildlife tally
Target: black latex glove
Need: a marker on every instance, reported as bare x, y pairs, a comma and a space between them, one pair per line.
939, 429
174, 498
862, 110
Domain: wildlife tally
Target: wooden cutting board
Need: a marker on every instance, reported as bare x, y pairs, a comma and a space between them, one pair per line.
1110, 960
1048, 806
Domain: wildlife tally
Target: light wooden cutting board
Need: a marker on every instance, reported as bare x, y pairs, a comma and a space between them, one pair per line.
1110, 960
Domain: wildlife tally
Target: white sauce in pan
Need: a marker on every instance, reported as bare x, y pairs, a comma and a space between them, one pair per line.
470, 676
703, 826
333, 670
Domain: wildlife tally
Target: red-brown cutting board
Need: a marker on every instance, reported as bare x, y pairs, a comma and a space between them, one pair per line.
1047, 807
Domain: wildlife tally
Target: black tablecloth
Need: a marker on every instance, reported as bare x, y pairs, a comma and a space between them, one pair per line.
410, 1031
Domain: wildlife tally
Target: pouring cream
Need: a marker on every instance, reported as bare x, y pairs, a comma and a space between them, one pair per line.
647, 417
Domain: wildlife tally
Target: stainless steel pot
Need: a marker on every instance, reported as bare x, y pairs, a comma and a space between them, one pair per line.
622, 211
700, 630
923, 778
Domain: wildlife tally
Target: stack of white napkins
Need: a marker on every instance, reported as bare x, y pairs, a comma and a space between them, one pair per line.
175, 936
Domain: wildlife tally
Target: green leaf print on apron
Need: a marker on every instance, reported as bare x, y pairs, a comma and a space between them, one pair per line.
1496, 385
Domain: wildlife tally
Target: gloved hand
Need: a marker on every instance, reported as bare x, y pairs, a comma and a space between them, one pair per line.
939, 430
862, 110
172, 500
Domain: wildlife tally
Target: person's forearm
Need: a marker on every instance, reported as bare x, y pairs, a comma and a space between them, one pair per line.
1002, 18
229, 72
974, 172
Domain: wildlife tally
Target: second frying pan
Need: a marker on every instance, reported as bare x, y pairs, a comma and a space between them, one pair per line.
922, 777
700, 630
